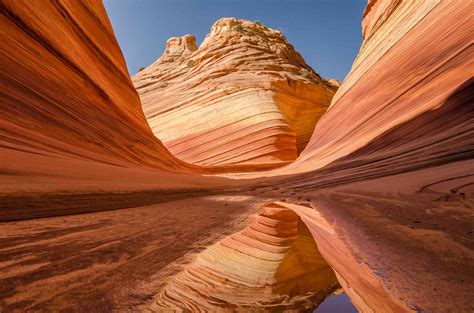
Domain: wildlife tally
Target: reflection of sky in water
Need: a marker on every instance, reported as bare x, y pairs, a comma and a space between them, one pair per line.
336, 304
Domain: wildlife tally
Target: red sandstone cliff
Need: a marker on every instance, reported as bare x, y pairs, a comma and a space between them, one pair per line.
70, 116
420, 57
244, 97
384, 186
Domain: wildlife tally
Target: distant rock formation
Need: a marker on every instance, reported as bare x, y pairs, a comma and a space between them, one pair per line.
244, 97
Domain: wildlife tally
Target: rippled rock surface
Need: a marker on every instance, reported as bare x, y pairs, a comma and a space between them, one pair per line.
244, 97
380, 200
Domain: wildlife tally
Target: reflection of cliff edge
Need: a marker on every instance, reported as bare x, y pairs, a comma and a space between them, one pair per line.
389, 166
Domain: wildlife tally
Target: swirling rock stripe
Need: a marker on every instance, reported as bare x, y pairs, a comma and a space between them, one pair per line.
407, 103
273, 264
66, 93
244, 97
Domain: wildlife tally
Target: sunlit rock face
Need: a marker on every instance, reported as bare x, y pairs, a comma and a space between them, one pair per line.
244, 97
407, 102
401, 124
68, 105
270, 266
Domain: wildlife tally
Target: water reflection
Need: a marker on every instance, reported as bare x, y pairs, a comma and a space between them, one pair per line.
340, 303
273, 265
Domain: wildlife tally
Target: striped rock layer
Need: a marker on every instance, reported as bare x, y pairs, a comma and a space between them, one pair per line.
270, 266
416, 127
244, 97
69, 110
419, 56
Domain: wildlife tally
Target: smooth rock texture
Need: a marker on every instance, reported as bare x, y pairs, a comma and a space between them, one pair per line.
244, 97
383, 192
69, 111
270, 266
420, 57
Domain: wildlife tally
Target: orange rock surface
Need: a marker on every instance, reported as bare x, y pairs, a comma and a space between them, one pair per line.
382, 195
70, 116
245, 96
271, 265
420, 57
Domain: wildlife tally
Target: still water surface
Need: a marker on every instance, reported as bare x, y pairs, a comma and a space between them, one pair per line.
336, 304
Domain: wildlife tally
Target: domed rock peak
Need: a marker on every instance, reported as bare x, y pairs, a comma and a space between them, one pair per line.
244, 98
230, 30
177, 47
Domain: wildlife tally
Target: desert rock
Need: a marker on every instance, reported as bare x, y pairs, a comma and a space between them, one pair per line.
97, 215
244, 97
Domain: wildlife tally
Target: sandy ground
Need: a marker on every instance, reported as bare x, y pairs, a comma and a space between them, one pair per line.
421, 247
112, 259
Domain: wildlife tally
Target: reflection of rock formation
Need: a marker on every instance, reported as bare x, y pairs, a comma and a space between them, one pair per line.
358, 280
244, 97
271, 265
397, 137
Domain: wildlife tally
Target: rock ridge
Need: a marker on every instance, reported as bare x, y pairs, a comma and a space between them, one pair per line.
244, 97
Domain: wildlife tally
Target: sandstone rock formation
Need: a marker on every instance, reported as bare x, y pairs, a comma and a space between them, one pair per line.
412, 136
420, 57
83, 96
69, 110
272, 265
384, 186
244, 97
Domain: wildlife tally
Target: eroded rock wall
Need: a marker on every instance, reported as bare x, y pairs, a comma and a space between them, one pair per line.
68, 106
244, 97
407, 103
69, 110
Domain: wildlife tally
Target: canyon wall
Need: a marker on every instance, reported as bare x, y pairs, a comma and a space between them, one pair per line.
397, 148
397, 136
244, 97
407, 103
68, 107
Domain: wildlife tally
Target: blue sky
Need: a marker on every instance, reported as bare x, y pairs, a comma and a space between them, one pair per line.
326, 32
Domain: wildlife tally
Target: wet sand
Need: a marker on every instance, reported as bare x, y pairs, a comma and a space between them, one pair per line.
108, 260
420, 247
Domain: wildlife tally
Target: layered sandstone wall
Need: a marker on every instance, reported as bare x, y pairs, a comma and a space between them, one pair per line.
70, 115
69, 111
244, 97
407, 103
66, 92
